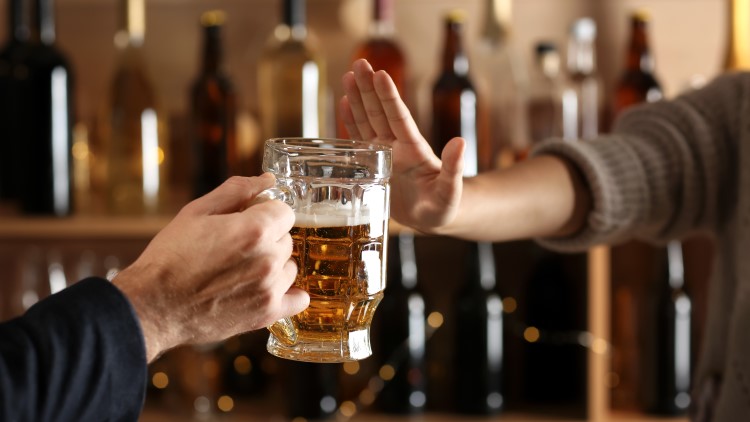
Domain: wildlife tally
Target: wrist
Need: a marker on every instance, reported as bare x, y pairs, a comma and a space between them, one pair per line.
132, 283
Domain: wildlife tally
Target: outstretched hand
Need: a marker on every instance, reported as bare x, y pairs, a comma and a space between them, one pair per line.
425, 189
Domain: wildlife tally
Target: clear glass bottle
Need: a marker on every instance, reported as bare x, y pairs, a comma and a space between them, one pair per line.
135, 140
292, 79
502, 79
583, 77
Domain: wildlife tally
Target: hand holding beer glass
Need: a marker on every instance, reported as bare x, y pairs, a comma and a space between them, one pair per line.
340, 193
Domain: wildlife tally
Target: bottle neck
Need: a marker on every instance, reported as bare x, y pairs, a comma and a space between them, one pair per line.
738, 48
639, 57
581, 57
675, 265
212, 51
293, 15
382, 18
43, 23
454, 57
497, 22
132, 24
482, 267
18, 20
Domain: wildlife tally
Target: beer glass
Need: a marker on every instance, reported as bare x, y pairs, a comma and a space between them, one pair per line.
340, 193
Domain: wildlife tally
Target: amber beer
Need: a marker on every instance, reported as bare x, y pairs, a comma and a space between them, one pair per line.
339, 191
340, 264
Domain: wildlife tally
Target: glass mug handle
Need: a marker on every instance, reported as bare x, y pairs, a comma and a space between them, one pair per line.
285, 330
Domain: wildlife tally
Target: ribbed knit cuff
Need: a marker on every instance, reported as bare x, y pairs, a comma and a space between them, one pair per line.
604, 163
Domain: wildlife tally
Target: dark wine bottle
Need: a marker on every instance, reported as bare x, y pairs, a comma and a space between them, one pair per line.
311, 389
213, 104
479, 337
46, 107
13, 77
667, 357
401, 332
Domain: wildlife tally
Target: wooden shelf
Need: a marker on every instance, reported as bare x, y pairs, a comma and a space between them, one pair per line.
80, 228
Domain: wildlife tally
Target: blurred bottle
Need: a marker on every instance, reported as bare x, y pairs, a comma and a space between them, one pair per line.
13, 75
479, 337
667, 363
503, 80
310, 389
381, 50
401, 332
583, 77
213, 104
455, 104
135, 139
638, 83
634, 263
738, 43
46, 121
553, 105
292, 79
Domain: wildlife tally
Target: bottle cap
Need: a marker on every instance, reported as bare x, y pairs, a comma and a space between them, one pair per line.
583, 29
544, 47
640, 15
456, 16
213, 18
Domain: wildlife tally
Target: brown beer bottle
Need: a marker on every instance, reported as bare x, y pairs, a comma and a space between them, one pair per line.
455, 104
213, 104
634, 263
400, 332
13, 76
292, 79
638, 83
479, 337
46, 118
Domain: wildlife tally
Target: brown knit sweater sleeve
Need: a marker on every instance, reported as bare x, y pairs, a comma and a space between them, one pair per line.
667, 169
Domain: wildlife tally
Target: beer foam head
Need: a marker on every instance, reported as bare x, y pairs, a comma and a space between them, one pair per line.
329, 215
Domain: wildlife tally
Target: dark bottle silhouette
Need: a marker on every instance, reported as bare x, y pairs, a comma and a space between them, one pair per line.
310, 389
13, 77
46, 119
213, 104
400, 332
479, 337
667, 358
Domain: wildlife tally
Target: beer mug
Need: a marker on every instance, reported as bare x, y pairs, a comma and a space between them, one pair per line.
340, 193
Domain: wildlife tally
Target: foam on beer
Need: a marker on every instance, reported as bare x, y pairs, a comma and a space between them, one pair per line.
327, 215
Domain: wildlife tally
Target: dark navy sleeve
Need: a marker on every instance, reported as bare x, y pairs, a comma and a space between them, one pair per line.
78, 355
